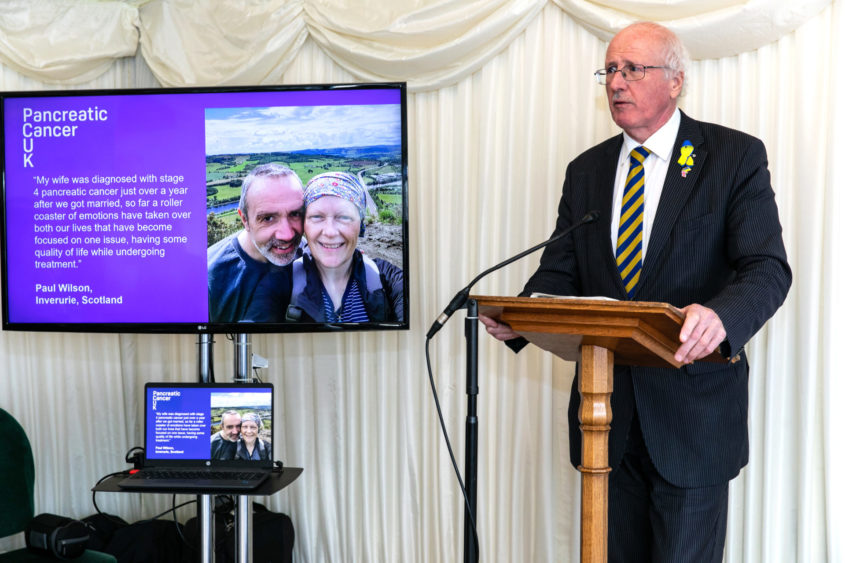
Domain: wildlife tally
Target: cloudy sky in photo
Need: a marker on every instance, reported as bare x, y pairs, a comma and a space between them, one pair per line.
296, 128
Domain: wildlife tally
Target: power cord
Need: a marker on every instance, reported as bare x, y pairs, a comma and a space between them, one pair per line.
179, 525
135, 456
94, 498
449, 447
172, 509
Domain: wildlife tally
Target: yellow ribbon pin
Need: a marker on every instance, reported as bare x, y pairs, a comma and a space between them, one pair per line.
686, 158
686, 154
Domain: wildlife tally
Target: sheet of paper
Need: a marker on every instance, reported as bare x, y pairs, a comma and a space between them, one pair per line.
550, 296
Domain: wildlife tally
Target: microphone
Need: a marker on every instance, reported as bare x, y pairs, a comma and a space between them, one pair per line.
460, 298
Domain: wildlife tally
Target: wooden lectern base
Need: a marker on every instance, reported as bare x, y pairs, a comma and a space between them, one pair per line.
596, 333
595, 383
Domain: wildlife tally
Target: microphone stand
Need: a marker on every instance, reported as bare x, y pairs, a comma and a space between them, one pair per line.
460, 300
471, 447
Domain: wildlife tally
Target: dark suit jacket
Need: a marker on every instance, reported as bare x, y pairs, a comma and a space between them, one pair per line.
716, 240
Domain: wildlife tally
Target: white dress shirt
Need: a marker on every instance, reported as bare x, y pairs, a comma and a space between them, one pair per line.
655, 167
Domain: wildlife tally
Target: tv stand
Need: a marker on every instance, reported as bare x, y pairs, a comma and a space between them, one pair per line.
243, 502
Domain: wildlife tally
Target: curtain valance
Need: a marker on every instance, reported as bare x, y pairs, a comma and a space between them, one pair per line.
427, 43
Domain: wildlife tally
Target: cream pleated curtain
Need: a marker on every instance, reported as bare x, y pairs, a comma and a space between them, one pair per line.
501, 98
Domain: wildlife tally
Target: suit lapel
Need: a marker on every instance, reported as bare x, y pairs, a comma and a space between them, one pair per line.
676, 191
605, 179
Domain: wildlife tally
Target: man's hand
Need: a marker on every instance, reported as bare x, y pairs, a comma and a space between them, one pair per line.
701, 333
499, 331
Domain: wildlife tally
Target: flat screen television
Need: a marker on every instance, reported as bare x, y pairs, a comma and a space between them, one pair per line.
122, 212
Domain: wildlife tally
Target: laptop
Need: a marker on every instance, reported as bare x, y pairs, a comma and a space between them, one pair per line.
216, 437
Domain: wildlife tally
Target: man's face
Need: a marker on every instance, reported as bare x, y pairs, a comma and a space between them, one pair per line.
231, 427
640, 107
274, 222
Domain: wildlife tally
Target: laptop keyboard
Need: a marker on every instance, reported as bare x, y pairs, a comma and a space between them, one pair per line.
199, 479
181, 474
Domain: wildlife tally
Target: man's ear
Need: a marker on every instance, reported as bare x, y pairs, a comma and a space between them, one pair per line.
677, 86
243, 220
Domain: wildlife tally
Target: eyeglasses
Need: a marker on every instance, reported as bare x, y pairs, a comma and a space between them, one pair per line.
630, 73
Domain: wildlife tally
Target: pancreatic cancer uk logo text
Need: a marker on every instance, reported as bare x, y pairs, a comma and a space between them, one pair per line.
61, 123
164, 396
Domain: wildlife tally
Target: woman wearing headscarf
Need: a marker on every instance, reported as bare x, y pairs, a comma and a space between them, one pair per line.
250, 446
333, 282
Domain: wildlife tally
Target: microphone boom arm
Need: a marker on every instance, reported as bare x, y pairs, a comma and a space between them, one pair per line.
460, 298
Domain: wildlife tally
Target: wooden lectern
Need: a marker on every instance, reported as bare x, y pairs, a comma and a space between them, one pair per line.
596, 333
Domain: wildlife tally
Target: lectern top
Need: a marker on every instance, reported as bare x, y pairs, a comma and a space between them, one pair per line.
638, 332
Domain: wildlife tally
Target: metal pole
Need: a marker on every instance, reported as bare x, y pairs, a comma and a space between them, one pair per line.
206, 524
243, 358
205, 520
205, 357
243, 523
243, 529
471, 450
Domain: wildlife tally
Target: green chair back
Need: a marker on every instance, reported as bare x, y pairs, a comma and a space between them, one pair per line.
17, 477
17, 499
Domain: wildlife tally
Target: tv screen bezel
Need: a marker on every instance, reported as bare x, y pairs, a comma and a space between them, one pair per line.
210, 327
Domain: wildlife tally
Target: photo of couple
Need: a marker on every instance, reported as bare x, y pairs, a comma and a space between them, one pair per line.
286, 229
239, 436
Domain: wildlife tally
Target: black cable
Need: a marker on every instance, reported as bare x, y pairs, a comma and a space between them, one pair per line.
135, 456
449, 447
172, 509
97, 508
179, 526
94, 498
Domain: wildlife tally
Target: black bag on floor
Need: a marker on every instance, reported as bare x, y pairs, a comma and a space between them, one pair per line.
102, 527
57, 536
146, 541
272, 533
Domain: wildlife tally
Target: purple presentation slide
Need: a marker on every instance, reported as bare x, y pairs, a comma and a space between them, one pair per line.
106, 201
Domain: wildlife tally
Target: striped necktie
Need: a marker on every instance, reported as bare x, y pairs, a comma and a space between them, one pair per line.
629, 242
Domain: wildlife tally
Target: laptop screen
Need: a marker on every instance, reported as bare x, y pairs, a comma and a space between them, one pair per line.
204, 424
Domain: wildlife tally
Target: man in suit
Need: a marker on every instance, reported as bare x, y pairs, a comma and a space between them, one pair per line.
700, 230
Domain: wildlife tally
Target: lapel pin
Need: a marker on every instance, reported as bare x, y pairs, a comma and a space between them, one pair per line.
685, 159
